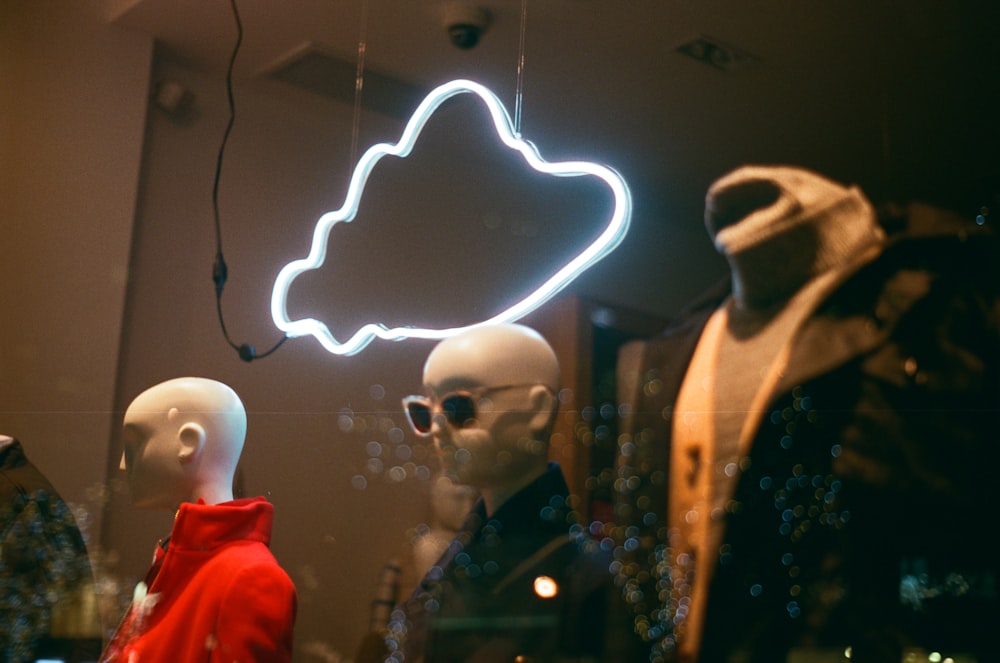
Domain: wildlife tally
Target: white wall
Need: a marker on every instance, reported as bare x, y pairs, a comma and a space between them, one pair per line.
72, 117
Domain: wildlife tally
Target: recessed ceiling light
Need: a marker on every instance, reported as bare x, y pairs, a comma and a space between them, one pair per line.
716, 53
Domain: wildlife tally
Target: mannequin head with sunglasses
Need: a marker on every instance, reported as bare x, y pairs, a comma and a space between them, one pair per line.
490, 399
182, 441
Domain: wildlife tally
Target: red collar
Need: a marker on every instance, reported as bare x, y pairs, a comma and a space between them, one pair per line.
200, 526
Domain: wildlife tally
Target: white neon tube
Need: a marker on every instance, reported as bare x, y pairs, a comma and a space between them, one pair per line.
610, 238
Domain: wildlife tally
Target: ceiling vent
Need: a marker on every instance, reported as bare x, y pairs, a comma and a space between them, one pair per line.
716, 53
312, 68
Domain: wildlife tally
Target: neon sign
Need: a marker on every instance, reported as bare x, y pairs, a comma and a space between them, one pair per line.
610, 238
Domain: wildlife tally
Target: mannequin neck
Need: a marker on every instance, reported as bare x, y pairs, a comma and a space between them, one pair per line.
498, 492
771, 262
212, 493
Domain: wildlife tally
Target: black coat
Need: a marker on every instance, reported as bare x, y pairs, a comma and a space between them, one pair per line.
863, 512
479, 602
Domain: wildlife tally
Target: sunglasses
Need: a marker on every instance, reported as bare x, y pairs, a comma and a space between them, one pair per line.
458, 407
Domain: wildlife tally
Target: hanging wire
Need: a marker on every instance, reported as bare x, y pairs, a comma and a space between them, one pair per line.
519, 91
220, 272
359, 81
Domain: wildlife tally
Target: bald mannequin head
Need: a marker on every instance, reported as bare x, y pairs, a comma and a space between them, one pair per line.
183, 439
490, 356
509, 377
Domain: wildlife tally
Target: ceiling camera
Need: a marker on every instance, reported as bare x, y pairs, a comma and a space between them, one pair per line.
465, 23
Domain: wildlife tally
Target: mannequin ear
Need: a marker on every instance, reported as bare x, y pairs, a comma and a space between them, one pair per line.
543, 405
192, 439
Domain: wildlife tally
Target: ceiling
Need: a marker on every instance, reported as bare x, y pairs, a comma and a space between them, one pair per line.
889, 95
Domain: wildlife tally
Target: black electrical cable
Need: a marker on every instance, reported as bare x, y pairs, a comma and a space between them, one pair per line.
219, 270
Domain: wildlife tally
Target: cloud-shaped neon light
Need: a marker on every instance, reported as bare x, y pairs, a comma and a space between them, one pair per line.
610, 238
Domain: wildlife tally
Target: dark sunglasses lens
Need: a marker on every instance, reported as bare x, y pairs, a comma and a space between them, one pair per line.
420, 417
459, 409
